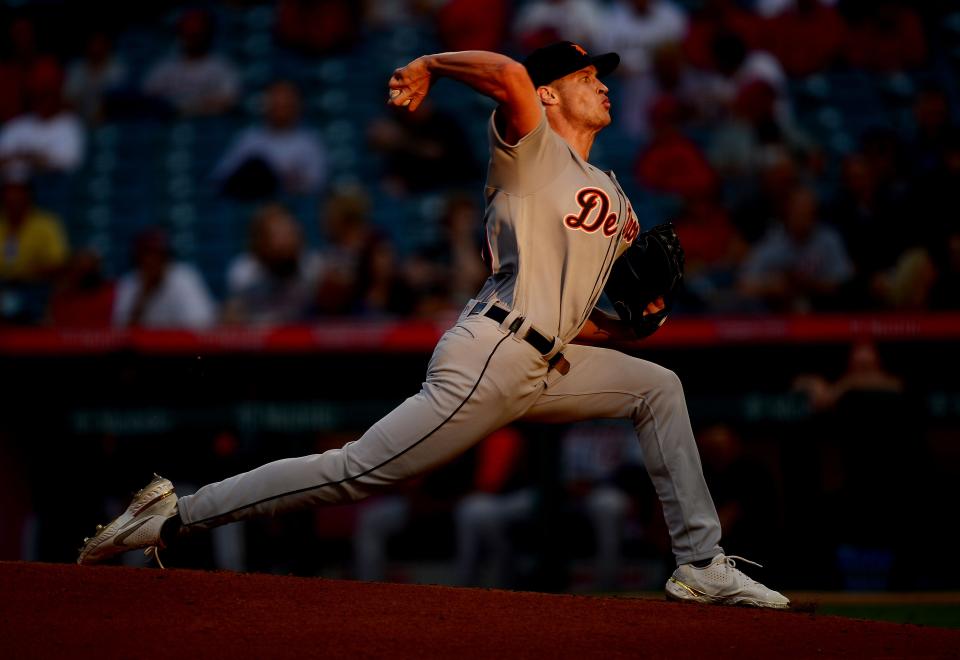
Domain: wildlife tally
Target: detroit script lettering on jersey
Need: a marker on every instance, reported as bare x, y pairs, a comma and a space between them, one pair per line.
591, 199
595, 214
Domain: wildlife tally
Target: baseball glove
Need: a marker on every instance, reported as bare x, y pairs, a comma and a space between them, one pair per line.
650, 268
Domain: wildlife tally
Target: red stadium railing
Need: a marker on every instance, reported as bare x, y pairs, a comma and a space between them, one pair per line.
420, 336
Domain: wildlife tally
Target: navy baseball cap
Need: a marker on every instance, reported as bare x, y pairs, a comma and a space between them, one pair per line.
563, 58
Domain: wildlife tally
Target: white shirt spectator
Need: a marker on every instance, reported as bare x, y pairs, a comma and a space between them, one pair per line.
58, 141
636, 36
264, 299
768, 8
191, 84
822, 256
295, 155
579, 21
181, 301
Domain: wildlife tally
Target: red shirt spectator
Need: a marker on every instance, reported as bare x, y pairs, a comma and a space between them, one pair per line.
672, 163
709, 238
318, 26
15, 68
807, 38
472, 24
889, 39
715, 18
83, 298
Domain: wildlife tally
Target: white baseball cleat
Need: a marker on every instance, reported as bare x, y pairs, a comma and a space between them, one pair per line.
722, 583
137, 527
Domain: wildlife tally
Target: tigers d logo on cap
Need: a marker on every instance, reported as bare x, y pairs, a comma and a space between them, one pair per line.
564, 57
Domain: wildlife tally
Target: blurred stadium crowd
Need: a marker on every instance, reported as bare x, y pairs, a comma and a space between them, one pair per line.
192, 166
235, 163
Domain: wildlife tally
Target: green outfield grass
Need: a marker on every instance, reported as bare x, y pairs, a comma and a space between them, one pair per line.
941, 609
921, 608
944, 616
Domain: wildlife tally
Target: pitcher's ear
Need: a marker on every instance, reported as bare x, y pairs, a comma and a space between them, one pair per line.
548, 95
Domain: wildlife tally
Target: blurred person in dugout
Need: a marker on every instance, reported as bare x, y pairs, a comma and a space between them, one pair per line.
743, 488
48, 138
600, 461
275, 281
194, 81
279, 155
868, 477
161, 292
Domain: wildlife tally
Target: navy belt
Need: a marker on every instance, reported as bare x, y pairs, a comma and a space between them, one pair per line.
533, 337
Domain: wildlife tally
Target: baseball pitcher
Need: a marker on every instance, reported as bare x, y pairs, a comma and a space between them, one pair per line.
555, 227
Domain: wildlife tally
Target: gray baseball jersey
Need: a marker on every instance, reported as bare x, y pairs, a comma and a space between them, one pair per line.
554, 224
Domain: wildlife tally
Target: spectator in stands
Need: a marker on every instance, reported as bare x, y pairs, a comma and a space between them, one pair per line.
160, 292
867, 215
888, 38
542, 22
195, 81
932, 130
753, 127
636, 29
423, 150
672, 163
275, 282
672, 78
807, 37
380, 287
93, 78
316, 27
280, 155
757, 207
473, 24
444, 274
909, 283
936, 202
346, 227
770, 8
714, 250
19, 53
33, 243
946, 290
801, 264
47, 139
735, 64
82, 297
712, 19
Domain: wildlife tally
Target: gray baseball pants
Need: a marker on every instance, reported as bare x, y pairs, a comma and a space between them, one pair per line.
481, 377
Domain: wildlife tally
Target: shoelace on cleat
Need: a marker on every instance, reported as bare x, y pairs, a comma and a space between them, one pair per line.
729, 561
153, 552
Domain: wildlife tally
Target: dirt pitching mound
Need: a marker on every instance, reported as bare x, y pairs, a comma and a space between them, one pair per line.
65, 611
